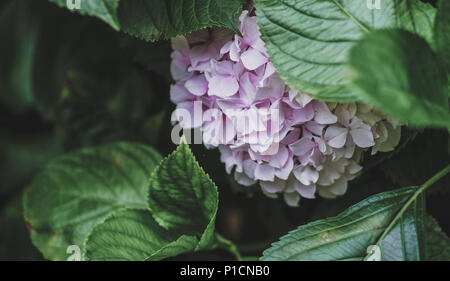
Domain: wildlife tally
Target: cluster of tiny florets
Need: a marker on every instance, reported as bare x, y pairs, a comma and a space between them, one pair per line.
267, 133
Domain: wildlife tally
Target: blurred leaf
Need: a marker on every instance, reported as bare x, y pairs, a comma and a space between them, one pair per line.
309, 41
47, 44
77, 190
21, 157
398, 72
125, 106
438, 243
15, 242
348, 235
33, 62
442, 31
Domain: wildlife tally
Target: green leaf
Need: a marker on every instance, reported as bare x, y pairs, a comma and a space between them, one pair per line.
398, 73
182, 196
348, 235
438, 243
134, 235
308, 41
104, 9
182, 204
154, 19
77, 190
442, 31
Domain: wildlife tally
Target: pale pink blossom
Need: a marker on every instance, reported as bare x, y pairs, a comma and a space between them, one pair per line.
267, 133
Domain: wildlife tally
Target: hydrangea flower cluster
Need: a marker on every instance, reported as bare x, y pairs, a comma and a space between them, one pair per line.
287, 141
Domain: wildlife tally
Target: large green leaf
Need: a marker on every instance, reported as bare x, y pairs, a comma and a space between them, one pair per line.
398, 72
77, 190
133, 234
308, 41
182, 205
442, 31
103, 9
154, 19
348, 235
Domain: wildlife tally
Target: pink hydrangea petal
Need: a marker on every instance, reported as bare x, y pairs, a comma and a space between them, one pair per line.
274, 89
285, 171
321, 145
279, 159
225, 68
259, 45
336, 136
268, 71
179, 67
362, 137
203, 53
303, 115
242, 178
230, 106
323, 114
315, 128
291, 137
226, 48
306, 175
185, 114
303, 99
302, 146
265, 173
243, 19
252, 59
219, 131
306, 191
223, 86
275, 186
249, 168
247, 88
179, 93
197, 85
235, 51
250, 30
227, 157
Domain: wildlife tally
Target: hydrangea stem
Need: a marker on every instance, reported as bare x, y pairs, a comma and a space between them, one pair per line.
226, 244
421, 189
